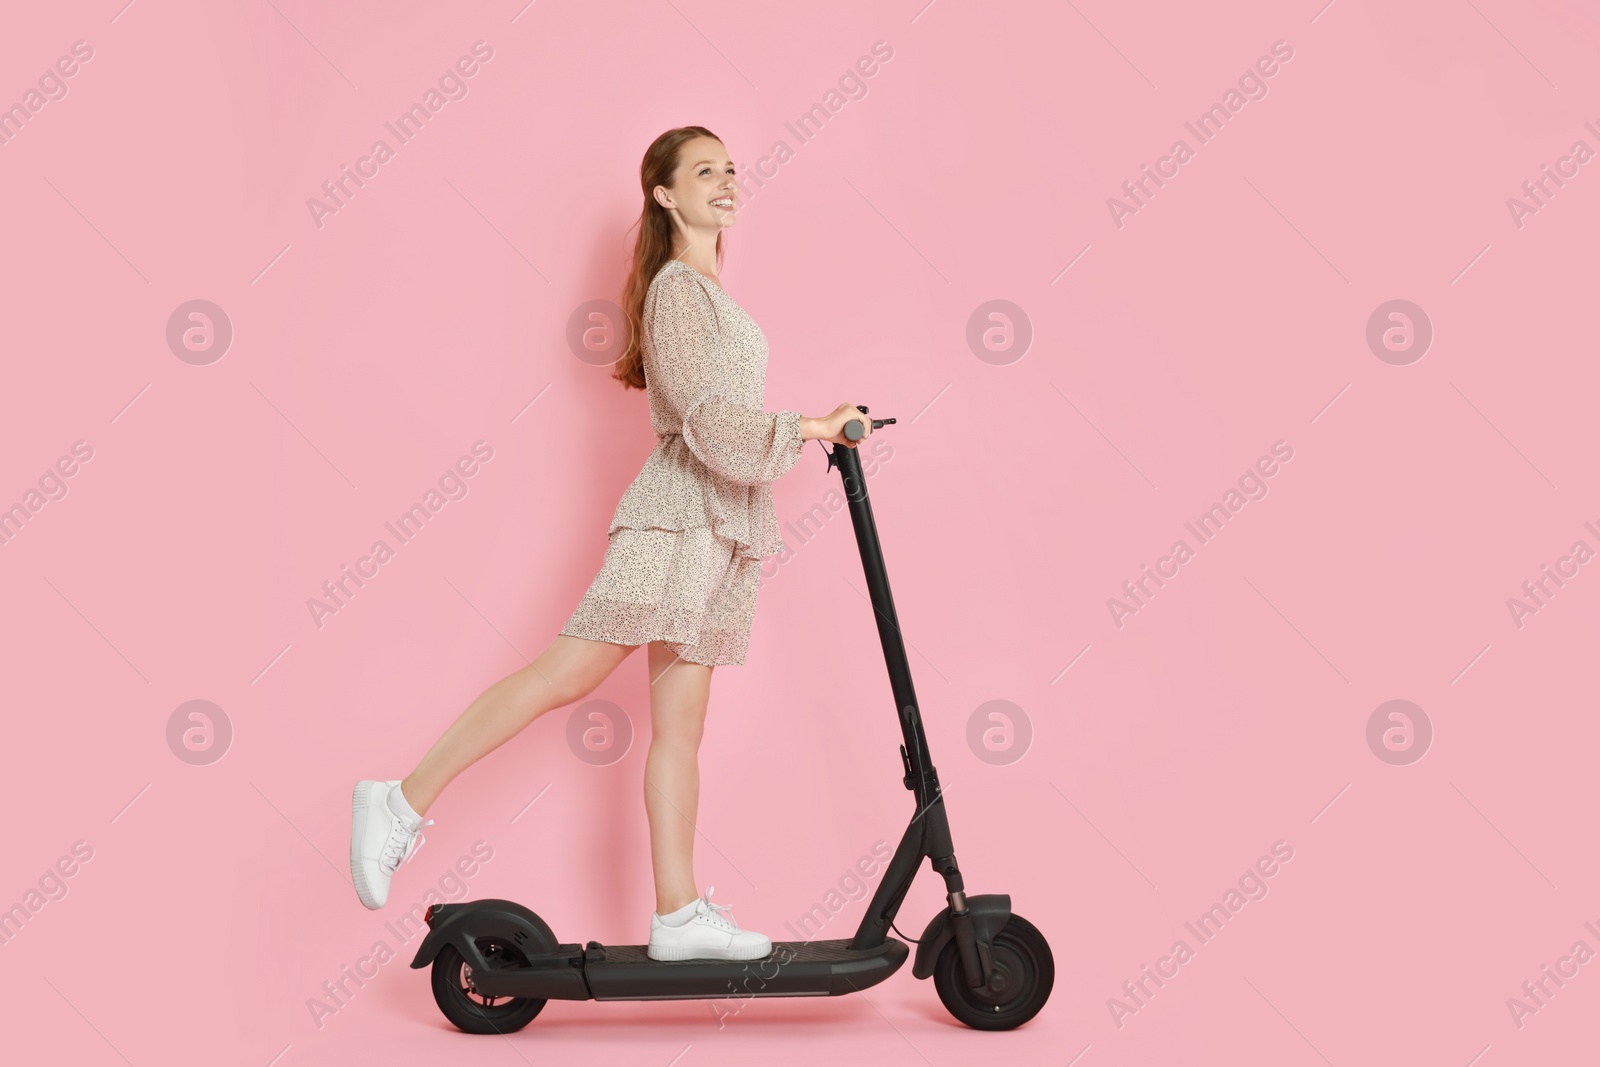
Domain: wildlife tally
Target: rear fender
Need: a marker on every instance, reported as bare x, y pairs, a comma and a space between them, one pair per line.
990, 912
462, 924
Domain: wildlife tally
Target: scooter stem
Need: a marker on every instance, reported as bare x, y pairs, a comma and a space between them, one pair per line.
929, 831
920, 774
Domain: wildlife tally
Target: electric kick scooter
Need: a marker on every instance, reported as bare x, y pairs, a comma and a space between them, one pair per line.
496, 963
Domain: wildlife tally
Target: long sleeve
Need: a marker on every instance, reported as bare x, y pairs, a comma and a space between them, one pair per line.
736, 442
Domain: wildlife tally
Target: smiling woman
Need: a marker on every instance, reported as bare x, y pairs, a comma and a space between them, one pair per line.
682, 557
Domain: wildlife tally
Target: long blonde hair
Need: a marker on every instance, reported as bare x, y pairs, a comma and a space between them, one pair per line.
653, 246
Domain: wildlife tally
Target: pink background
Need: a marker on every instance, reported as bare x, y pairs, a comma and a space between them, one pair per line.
1229, 313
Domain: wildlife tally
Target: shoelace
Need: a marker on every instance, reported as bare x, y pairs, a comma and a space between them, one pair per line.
402, 845
713, 913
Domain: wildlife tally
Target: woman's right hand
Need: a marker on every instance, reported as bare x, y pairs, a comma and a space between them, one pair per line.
830, 428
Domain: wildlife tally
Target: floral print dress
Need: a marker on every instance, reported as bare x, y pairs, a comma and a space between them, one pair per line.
683, 558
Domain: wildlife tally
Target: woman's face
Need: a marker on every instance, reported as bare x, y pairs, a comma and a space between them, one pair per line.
703, 190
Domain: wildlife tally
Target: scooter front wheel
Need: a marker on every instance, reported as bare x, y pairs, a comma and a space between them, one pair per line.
1024, 972
470, 1010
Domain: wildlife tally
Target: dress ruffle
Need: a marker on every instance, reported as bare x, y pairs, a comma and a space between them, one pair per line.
673, 492
686, 588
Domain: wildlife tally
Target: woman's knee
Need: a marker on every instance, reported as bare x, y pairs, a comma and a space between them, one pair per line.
567, 675
681, 727
568, 687
543, 686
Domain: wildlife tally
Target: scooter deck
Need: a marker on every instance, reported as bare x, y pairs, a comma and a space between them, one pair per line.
792, 969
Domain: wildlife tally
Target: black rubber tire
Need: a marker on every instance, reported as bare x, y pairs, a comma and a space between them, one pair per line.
468, 1014
1022, 954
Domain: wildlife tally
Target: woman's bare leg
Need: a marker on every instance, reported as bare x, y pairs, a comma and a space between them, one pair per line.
679, 692
567, 671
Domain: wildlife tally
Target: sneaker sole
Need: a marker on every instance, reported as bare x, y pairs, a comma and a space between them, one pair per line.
360, 800
672, 953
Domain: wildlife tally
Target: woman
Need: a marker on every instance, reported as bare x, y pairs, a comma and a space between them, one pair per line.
682, 565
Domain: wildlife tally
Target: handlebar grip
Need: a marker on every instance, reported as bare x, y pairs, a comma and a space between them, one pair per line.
854, 431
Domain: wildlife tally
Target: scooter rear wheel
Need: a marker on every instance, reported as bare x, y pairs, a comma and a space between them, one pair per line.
1026, 971
470, 1010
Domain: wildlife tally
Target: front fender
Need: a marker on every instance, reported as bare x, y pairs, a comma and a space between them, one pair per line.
990, 912
462, 924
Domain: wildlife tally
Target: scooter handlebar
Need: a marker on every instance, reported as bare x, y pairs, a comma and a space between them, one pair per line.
854, 431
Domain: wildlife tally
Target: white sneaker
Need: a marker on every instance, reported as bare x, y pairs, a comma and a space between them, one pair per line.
380, 840
708, 935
